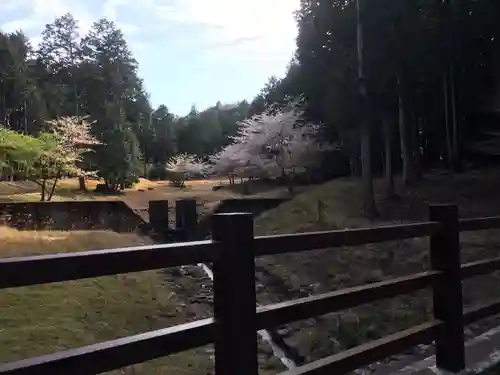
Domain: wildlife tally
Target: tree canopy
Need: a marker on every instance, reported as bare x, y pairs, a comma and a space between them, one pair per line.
95, 75
397, 86
420, 74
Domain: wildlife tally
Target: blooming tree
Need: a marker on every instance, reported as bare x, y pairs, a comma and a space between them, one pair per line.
74, 141
74, 133
276, 143
183, 166
39, 159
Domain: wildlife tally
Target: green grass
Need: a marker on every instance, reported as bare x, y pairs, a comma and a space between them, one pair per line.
43, 319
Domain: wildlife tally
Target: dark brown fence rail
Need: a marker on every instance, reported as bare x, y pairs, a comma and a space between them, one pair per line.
233, 329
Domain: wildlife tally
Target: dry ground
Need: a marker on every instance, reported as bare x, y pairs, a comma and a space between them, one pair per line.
139, 195
136, 197
43, 319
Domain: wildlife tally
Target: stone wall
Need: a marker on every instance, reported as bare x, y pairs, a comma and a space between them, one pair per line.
70, 215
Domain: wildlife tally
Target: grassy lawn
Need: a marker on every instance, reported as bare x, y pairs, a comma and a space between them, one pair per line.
43, 319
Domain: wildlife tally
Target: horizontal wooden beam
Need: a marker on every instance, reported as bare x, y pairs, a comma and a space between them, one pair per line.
475, 313
349, 360
480, 223
304, 308
111, 355
269, 245
481, 267
42, 269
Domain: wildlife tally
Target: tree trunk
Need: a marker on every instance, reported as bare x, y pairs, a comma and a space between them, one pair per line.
75, 93
52, 191
354, 165
366, 160
366, 172
404, 138
449, 147
287, 180
290, 184
74, 79
43, 186
415, 147
82, 183
25, 117
451, 118
389, 173
457, 160
4, 105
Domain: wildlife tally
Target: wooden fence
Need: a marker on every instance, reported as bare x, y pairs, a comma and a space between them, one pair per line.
236, 318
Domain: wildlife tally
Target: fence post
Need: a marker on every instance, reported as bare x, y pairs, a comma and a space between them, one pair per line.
158, 215
186, 217
447, 290
234, 295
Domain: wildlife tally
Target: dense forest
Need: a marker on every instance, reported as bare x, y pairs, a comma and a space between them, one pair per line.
95, 75
398, 86
405, 85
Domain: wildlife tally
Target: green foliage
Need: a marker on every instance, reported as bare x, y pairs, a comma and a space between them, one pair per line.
408, 48
157, 172
96, 75
163, 142
119, 159
19, 152
40, 159
411, 51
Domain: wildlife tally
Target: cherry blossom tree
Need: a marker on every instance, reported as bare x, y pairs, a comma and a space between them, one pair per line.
42, 159
183, 166
277, 143
75, 140
54, 159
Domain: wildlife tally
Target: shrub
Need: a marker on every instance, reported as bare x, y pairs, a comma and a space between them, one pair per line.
104, 189
157, 172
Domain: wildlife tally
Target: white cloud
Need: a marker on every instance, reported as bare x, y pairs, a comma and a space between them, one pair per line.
262, 31
227, 20
35, 14
259, 34
223, 24
109, 8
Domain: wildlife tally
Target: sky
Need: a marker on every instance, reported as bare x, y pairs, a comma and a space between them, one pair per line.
189, 51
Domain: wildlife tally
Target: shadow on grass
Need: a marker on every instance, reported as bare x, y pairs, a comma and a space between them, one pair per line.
88, 194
